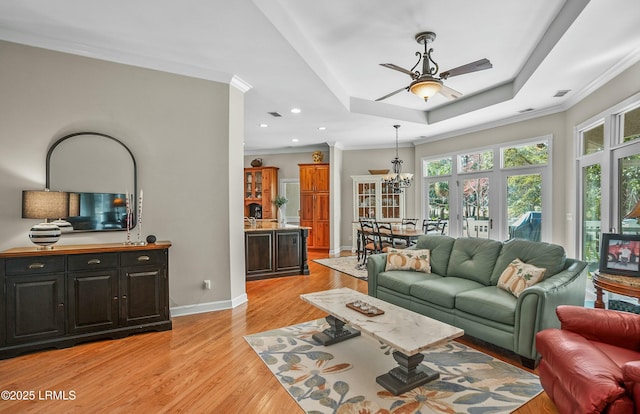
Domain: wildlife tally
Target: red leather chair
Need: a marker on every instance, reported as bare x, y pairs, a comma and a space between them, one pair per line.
592, 363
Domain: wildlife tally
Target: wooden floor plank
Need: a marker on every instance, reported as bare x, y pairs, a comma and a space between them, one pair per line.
203, 365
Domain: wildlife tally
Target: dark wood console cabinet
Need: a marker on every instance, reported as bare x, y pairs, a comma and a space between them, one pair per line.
71, 294
276, 252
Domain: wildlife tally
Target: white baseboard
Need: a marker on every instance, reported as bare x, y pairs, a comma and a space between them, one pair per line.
208, 307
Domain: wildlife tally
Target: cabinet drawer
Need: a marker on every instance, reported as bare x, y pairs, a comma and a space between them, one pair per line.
93, 261
143, 257
34, 265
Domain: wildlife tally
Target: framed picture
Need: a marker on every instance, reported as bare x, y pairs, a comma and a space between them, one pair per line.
620, 254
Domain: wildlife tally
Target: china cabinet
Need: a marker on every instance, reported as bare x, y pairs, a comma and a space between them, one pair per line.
260, 188
372, 199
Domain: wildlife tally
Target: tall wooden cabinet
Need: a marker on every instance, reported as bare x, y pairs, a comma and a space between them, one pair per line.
314, 204
72, 294
260, 189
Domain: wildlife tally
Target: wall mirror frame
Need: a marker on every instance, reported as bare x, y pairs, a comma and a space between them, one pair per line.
101, 169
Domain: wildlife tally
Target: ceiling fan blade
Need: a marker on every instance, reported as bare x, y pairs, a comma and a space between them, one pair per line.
481, 64
449, 93
399, 69
392, 93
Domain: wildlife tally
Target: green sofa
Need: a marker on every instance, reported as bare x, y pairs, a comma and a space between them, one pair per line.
462, 290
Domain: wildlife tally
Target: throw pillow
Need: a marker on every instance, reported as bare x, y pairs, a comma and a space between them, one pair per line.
518, 276
417, 260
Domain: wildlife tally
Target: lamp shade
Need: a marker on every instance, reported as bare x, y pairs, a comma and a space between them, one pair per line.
38, 204
425, 88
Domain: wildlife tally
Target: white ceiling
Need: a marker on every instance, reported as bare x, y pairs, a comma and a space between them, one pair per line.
323, 57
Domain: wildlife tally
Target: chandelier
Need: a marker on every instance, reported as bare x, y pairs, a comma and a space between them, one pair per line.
397, 180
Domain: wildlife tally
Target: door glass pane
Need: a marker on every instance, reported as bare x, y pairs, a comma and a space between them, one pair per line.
593, 140
629, 194
475, 207
438, 203
258, 185
591, 197
630, 125
291, 191
524, 206
523, 155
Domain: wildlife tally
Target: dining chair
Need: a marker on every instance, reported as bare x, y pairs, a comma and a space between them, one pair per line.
410, 223
368, 240
385, 236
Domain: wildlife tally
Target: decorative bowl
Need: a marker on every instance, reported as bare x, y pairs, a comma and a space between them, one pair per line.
374, 172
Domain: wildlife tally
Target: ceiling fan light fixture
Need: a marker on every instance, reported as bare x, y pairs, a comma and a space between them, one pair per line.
426, 88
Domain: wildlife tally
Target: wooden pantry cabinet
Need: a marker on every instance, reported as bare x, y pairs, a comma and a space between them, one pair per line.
314, 204
71, 294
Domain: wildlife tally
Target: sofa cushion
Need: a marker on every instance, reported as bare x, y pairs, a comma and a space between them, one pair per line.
540, 254
401, 280
415, 260
440, 248
489, 302
474, 259
442, 291
518, 276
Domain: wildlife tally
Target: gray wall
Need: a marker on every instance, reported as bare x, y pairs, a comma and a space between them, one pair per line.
185, 133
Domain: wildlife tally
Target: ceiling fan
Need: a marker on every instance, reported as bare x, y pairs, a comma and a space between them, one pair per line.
426, 84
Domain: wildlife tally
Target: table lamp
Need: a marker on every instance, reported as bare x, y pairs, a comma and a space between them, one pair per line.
44, 204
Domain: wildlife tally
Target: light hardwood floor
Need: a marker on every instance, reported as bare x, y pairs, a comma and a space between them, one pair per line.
202, 366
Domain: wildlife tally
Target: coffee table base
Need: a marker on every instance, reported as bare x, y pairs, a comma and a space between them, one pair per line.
338, 332
408, 375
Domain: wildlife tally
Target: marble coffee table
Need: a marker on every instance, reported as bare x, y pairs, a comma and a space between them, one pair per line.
409, 333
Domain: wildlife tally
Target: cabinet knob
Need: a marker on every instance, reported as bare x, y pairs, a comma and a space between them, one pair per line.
36, 266
115, 298
143, 258
124, 296
93, 262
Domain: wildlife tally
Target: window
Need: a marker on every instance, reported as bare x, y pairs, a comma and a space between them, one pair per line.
609, 178
290, 189
477, 197
523, 155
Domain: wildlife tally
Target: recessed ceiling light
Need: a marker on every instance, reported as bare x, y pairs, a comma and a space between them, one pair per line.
322, 128
295, 111
263, 125
294, 139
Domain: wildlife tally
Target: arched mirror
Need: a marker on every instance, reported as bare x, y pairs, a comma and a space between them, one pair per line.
99, 170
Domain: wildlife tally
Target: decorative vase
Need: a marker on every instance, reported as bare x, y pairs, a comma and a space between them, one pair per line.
256, 162
317, 156
283, 217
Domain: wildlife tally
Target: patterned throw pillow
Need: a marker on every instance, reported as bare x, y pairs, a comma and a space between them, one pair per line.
518, 276
417, 260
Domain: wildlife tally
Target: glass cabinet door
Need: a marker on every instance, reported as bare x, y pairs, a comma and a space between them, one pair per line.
390, 207
258, 185
366, 200
248, 186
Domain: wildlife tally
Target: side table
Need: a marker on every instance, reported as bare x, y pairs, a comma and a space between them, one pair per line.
622, 285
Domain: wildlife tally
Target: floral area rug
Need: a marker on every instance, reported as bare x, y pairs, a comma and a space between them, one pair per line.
345, 264
341, 378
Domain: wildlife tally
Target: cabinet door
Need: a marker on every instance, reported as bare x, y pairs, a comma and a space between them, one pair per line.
306, 179
93, 300
35, 307
288, 247
321, 178
306, 207
143, 295
267, 197
262, 260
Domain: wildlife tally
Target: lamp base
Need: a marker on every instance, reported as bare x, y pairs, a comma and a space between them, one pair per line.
44, 235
